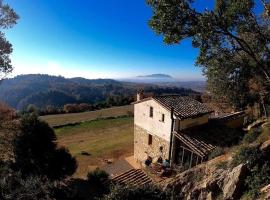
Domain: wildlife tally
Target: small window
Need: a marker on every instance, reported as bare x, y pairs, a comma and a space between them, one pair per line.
151, 112
150, 139
162, 117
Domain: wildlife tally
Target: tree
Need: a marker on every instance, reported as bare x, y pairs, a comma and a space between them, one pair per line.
233, 39
8, 18
36, 152
31, 108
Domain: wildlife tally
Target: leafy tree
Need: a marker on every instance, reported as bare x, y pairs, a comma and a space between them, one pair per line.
36, 152
31, 108
233, 39
8, 19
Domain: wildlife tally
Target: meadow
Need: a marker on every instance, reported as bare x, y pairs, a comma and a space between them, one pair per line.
94, 142
73, 118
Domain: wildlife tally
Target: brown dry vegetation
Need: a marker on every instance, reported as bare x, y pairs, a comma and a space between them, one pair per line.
101, 139
8, 129
63, 119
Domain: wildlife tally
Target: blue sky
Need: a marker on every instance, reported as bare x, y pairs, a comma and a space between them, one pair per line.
94, 39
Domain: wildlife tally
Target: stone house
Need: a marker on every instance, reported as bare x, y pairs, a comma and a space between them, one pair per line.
159, 124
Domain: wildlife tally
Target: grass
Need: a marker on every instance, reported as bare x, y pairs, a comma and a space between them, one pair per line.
72, 118
92, 142
265, 133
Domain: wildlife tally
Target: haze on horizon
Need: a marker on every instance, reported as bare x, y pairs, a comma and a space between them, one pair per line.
94, 39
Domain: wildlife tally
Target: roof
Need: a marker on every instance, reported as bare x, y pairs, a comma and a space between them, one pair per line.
183, 107
228, 116
197, 145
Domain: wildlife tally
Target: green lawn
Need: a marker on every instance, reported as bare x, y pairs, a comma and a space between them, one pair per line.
102, 139
71, 118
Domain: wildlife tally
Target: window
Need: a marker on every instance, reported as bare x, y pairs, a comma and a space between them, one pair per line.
150, 138
151, 112
162, 117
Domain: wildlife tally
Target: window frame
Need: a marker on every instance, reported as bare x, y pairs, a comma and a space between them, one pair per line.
150, 139
151, 112
162, 117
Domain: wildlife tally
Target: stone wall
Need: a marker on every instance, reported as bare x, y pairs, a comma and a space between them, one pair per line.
142, 150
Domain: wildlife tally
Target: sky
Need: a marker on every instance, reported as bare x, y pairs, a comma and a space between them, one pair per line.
94, 39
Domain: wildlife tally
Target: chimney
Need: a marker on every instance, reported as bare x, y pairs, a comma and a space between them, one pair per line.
140, 95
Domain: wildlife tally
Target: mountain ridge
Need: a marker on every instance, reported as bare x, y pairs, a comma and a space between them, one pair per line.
44, 90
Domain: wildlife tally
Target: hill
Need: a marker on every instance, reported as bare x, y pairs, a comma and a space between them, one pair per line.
56, 91
156, 76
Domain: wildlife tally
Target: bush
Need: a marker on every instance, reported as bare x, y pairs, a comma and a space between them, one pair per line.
251, 136
217, 152
147, 192
258, 165
14, 186
97, 176
222, 165
259, 177
247, 155
99, 181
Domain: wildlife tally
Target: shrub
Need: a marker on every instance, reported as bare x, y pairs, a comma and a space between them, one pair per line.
97, 177
259, 177
222, 165
14, 186
217, 152
258, 164
246, 154
147, 192
251, 136
99, 182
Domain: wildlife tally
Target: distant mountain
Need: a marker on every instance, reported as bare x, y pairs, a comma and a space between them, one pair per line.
155, 76
56, 91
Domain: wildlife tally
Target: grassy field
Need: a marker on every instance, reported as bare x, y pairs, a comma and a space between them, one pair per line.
101, 139
63, 119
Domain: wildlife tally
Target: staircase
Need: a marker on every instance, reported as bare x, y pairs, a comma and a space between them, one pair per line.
135, 177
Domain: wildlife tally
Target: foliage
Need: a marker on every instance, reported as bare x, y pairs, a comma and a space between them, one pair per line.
36, 152
99, 180
217, 152
8, 18
259, 177
6, 113
147, 192
247, 155
32, 109
75, 108
13, 186
222, 165
8, 128
98, 176
258, 164
50, 93
233, 39
251, 136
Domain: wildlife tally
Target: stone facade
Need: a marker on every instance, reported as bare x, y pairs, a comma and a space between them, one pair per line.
142, 149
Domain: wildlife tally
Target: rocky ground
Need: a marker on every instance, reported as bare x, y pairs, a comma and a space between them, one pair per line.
213, 181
